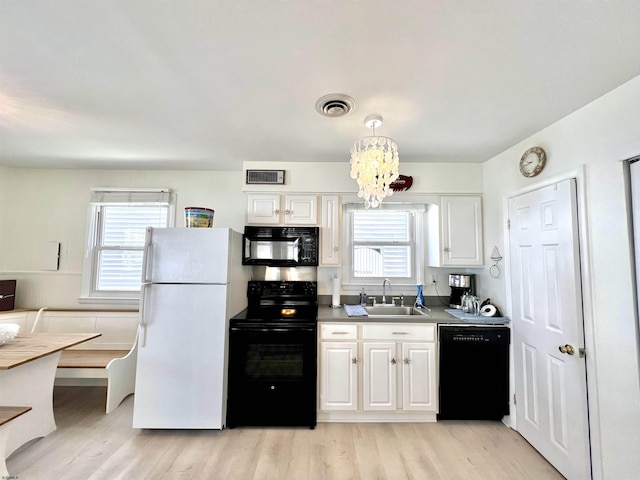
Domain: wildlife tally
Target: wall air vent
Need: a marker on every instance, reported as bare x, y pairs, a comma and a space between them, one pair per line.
265, 177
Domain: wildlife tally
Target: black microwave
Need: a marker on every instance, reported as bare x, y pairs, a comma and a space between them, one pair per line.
281, 246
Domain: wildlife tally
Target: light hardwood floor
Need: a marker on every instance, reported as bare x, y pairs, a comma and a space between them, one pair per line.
89, 445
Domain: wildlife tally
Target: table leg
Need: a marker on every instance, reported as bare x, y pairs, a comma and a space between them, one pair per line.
30, 384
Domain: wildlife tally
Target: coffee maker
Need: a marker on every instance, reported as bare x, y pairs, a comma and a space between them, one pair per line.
461, 284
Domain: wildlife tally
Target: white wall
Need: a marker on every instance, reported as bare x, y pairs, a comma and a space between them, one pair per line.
598, 137
334, 177
49, 205
52, 205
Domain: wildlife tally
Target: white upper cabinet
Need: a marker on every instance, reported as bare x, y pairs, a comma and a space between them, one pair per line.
274, 209
330, 230
263, 209
455, 232
301, 210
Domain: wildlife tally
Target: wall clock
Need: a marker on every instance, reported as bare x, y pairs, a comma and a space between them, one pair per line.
532, 162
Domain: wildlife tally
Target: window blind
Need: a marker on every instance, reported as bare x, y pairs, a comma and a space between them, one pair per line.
114, 196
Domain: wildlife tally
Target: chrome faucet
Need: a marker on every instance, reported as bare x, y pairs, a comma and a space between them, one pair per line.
385, 281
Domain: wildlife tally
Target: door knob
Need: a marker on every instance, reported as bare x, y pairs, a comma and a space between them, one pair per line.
568, 349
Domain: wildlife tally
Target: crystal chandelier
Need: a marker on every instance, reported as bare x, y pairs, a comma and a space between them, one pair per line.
374, 164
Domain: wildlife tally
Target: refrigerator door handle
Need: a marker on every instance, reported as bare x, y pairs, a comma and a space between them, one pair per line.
143, 320
146, 255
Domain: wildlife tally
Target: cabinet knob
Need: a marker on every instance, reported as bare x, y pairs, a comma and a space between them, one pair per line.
393, 361
407, 361
276, 211
288, 212
335, 249
354, 360
447, 249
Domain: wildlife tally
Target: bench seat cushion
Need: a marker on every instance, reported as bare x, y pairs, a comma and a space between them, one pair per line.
88, 358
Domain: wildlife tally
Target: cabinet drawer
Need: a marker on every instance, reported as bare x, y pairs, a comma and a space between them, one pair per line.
399, 332
336, 331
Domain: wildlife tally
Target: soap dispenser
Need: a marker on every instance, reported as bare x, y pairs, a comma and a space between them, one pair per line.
363, 298
419, 298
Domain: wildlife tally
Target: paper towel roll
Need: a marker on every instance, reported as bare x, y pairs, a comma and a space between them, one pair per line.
335, 297
488, 311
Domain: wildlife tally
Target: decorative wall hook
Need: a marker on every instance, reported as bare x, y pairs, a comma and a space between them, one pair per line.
494, 271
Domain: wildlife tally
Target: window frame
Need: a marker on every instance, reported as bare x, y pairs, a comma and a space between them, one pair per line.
417, 247
105, 197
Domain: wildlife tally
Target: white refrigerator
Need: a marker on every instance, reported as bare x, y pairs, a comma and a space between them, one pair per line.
193, 281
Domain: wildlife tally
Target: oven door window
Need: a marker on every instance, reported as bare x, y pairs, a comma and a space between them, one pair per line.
274, 363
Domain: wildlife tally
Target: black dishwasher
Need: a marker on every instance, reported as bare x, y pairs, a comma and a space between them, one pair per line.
474, 372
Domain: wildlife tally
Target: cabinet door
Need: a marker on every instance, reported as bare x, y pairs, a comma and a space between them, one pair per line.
263, 209
461, 224
418, 376
379, 377
330, 230
301, 210
338, 376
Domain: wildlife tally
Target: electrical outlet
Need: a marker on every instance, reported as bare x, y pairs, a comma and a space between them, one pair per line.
434, 278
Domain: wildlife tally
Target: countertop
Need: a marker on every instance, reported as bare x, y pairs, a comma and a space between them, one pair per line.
437, 315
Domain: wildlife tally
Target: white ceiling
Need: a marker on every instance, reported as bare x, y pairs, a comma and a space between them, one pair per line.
178, 84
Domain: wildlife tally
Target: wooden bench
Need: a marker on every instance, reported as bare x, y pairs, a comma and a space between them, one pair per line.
108, 360
6, 415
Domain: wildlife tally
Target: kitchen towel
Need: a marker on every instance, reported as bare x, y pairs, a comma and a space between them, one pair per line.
355, 311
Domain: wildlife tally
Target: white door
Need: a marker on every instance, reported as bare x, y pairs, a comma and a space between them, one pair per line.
418, 376
338, 376
634, 172
379, 377
550, 373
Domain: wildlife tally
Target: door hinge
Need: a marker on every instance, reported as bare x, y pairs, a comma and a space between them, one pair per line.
514, 399
582, 352
508, 224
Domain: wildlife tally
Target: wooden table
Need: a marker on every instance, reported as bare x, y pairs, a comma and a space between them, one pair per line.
27, 373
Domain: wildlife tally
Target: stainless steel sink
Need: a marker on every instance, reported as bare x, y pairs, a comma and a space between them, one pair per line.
392, 311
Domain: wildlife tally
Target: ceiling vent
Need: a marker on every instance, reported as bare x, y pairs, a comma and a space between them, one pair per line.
265, 177
335, 105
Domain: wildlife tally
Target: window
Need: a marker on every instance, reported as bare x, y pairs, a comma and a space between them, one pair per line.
385, 242
116, 234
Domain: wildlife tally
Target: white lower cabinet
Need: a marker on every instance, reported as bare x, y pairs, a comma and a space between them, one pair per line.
418, 376
377, 372
339, 383
379, 378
